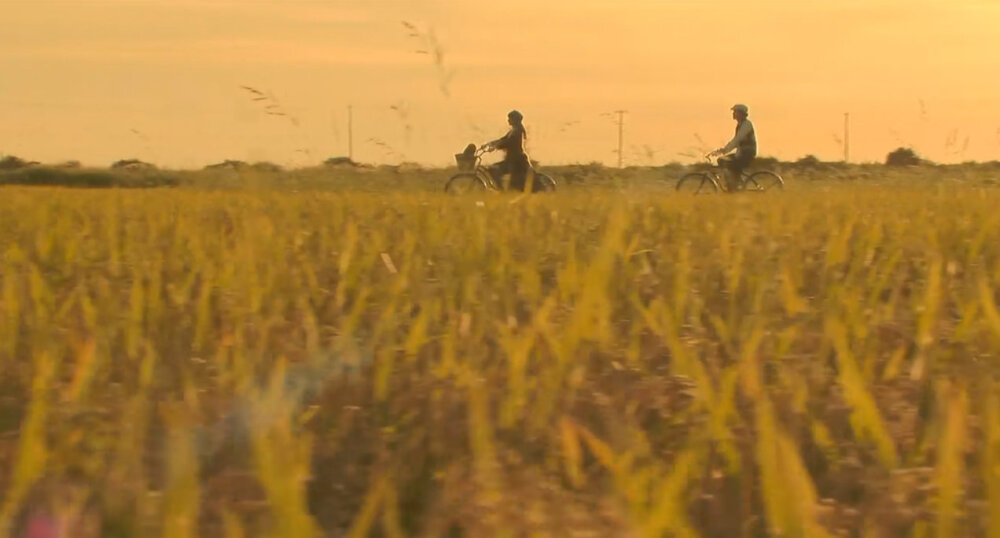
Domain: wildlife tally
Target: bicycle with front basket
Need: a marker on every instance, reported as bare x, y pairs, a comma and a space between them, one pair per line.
711, 180
474, 176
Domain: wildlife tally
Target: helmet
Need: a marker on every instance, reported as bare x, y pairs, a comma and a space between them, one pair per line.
515, 115
740, 108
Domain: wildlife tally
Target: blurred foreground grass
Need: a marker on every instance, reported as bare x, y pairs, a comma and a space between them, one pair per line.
185, 363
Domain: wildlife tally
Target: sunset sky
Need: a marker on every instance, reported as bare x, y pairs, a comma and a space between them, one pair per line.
160, 80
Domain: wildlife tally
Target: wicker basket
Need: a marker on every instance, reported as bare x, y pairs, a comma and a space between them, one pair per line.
466, 162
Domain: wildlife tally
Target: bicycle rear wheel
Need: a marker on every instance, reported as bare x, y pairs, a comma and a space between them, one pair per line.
543, 183
465, 182
764, 181
697, 183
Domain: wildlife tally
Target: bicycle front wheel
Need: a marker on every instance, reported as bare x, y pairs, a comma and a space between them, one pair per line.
697, 183
465, 183
764, 181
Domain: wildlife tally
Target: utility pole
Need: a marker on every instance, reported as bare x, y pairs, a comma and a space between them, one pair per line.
847, 136
621, 132
350, 132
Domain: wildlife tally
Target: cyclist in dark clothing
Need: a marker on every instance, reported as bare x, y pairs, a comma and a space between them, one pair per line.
515, 161
744, 142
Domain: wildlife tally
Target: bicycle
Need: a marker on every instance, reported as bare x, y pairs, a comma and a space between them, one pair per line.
474, 176
709, 181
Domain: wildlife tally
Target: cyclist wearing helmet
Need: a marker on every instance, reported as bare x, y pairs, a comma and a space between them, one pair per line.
744, 142
515, 161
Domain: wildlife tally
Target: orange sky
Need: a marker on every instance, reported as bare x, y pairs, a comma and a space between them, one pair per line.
99, 80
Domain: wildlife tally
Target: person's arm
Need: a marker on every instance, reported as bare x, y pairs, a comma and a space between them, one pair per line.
741, 133
503, 142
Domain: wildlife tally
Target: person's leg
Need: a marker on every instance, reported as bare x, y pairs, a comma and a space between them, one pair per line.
740, 163
732, 174
518, 174
497, 171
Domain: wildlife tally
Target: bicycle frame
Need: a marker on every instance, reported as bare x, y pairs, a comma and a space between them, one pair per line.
472, 165
756, 180
722, 180
482, 170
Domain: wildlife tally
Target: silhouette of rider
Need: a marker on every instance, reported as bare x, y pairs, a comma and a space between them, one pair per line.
745, 144
515, 161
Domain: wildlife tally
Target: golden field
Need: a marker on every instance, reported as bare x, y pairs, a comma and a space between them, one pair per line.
823, 361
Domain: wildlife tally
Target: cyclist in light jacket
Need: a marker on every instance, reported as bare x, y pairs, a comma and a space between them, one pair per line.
744, 142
